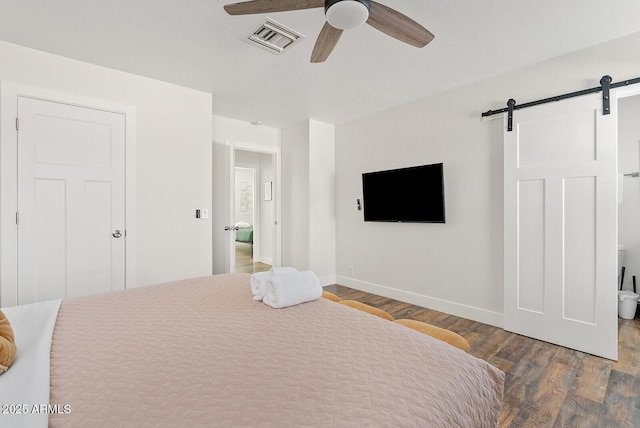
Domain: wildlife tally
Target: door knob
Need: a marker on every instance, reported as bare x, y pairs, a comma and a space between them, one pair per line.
116, 234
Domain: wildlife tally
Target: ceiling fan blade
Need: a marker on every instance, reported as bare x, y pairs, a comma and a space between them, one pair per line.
267, 6
327, 40
397, 25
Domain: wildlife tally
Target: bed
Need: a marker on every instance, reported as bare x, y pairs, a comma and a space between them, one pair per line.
202, 353
245, 235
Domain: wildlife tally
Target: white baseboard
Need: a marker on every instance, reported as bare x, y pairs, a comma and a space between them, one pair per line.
265, 260
464, 311
327, 280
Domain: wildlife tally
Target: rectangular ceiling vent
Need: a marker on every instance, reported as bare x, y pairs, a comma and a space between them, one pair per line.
273, 36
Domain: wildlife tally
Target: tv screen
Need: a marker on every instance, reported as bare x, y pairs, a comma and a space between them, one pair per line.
414, 195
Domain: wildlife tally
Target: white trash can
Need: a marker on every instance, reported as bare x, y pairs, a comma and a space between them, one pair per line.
627, 304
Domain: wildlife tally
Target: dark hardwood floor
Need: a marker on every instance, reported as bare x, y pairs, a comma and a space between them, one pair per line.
545, 385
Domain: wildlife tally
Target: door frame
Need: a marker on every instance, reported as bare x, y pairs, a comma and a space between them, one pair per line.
9, 93
627, 91
277, 190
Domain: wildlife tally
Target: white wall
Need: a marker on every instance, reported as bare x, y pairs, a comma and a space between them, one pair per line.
455, 267
629, 210
173, 156
245, 135
295, 190
322, 202
308, 151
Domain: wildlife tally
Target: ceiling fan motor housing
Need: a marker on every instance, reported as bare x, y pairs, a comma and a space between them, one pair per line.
346, 14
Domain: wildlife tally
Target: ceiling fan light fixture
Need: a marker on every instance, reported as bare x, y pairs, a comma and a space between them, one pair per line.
346, 14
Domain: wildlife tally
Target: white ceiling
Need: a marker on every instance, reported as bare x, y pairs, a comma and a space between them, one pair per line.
194, 43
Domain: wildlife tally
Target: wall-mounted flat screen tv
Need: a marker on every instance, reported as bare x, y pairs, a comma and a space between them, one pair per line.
413, 195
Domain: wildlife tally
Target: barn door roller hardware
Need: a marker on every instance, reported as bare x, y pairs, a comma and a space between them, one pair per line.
605, 83
605, 87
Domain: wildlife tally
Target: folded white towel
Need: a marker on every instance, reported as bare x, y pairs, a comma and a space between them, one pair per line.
242, 225
259, 280
259, 284
289, 289
283, 269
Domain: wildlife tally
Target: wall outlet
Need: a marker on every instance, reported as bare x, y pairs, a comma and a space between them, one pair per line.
350, 271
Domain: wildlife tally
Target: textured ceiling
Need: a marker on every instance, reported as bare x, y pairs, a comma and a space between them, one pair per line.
194, 43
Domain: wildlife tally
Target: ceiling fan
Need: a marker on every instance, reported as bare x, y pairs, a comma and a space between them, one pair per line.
343, 15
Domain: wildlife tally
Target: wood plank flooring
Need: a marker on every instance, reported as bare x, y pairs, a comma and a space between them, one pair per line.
545, 385
244, 260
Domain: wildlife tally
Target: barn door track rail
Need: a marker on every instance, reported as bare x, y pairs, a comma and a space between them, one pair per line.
605, 87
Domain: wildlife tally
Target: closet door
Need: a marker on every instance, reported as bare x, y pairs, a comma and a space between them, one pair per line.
71, 200
560, 216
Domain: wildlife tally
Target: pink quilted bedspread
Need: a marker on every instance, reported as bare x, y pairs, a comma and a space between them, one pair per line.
202, 353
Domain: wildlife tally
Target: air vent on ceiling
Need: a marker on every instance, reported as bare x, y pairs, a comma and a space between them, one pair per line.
273, 36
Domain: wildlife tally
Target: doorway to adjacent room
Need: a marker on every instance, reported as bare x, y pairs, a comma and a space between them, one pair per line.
250, 254
246, 209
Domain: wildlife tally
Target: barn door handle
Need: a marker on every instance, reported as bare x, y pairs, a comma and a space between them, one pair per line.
116, 234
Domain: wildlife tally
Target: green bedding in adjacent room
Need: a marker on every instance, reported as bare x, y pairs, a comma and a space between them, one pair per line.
245, 235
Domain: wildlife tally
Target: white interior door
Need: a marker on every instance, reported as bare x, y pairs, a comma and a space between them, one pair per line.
71, 200
560, 215
222, 212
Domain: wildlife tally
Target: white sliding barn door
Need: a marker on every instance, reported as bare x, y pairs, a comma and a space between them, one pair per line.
71, 200
560, 215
